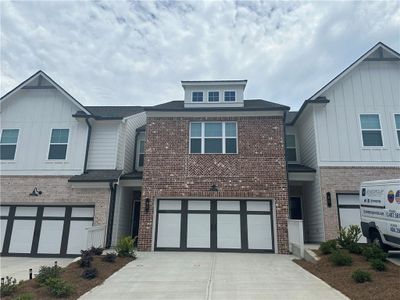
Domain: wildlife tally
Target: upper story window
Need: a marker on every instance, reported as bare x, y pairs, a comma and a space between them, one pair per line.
291, 154
371, 130
213, 96
397, 123
213, 137
229, 96
140, 154
197, 96
58, 143
8, 143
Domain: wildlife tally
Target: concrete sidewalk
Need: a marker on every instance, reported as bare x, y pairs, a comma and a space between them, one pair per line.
188, 275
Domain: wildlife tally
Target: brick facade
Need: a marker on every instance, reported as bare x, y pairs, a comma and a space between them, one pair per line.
257, 171
347, 180
56, 190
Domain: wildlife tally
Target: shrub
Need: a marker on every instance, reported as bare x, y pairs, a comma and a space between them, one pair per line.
86, 259
340, 259
26, 296
96, 250
328, 247
8, 287
89, 273
361, 276
355, 248
125, 247
349, 235
47, 272
110, 257
378, 265
372, 251
59, 288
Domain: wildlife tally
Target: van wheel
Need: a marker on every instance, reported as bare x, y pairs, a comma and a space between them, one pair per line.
377, 240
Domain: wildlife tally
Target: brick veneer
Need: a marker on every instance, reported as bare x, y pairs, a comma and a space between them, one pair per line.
347, 180
258, 171
56, 190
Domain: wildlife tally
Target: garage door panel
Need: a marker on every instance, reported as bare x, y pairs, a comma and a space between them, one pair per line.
259, 232
77, 239
50, 236
54, 212
169, 230
26, 211
228, 231
22, 236
349, 211
198, 231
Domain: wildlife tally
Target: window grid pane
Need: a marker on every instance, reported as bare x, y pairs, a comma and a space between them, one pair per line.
291, 154
7, 152
197, 96
213, 129
59, 136
372, 138
57, 151
230, 129
213, 145
397, 120
290, 141
195, 129
213, 96
230, 145
370, 121
229, 96
9, 136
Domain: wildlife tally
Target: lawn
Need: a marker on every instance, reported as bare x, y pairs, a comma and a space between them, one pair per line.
384, 285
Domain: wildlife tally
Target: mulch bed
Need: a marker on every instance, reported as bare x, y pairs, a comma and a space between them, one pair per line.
384, 285
72, 274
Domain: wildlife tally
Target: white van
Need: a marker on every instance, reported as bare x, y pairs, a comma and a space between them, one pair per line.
380, 212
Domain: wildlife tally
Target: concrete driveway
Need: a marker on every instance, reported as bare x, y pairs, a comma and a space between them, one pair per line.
184, 275
18, 267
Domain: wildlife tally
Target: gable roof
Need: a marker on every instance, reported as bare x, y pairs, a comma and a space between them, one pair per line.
249, 105
379, 45
55, 84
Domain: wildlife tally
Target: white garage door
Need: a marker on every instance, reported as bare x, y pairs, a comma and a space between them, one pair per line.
44, 230
349, 211
216, 225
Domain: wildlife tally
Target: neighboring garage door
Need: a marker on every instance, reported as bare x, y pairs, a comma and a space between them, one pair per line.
214, 225
349, 211
44, 230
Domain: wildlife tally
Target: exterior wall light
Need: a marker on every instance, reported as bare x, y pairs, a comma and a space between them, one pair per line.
35, 192
328, 199
214, 188
147, 205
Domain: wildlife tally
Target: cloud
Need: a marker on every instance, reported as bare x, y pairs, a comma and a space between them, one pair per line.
136, 53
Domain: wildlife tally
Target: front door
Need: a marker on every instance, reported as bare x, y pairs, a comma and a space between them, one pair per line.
295, 211
136, 213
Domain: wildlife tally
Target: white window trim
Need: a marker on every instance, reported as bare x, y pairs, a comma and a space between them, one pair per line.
50, 143
16, 144
396, 130
295, 147
229, 91
381, 130
203, 137
202, 101
213, 91
138, 153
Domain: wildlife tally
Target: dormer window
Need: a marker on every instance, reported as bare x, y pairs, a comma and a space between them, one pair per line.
197, 97
213, 96
230, 96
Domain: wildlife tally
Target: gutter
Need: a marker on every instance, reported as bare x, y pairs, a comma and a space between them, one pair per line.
111, 210
319, 100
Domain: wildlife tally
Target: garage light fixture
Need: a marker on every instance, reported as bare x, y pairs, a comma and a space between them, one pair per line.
147, 205
214, 188
328, 199
35, 192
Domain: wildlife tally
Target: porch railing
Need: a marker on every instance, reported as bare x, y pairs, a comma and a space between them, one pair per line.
296, 237
96, 236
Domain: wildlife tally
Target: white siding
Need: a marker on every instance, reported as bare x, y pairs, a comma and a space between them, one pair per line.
372, 87
123, 214
35, 113
103, 145
132, 123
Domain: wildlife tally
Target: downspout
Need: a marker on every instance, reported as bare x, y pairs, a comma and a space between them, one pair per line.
113, 189
287, 175
87, 144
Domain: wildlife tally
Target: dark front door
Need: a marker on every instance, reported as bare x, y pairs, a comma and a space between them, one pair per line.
136, 213
295, 208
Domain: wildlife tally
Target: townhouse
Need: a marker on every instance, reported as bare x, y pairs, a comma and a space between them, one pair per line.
207, 173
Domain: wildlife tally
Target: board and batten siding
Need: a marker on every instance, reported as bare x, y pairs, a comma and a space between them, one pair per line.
371, 87
312, 206
35, 112
103, 145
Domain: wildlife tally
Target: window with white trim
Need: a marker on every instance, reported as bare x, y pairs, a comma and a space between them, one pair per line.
213, 137
58, 144
397, 124
140, 154
229, 96
291, 153
213, 96
371, 130
197, 96
8, 143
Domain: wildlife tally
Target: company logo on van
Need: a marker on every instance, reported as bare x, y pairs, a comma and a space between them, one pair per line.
397, 197
390, 196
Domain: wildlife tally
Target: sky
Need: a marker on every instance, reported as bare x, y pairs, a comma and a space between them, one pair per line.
137, 52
